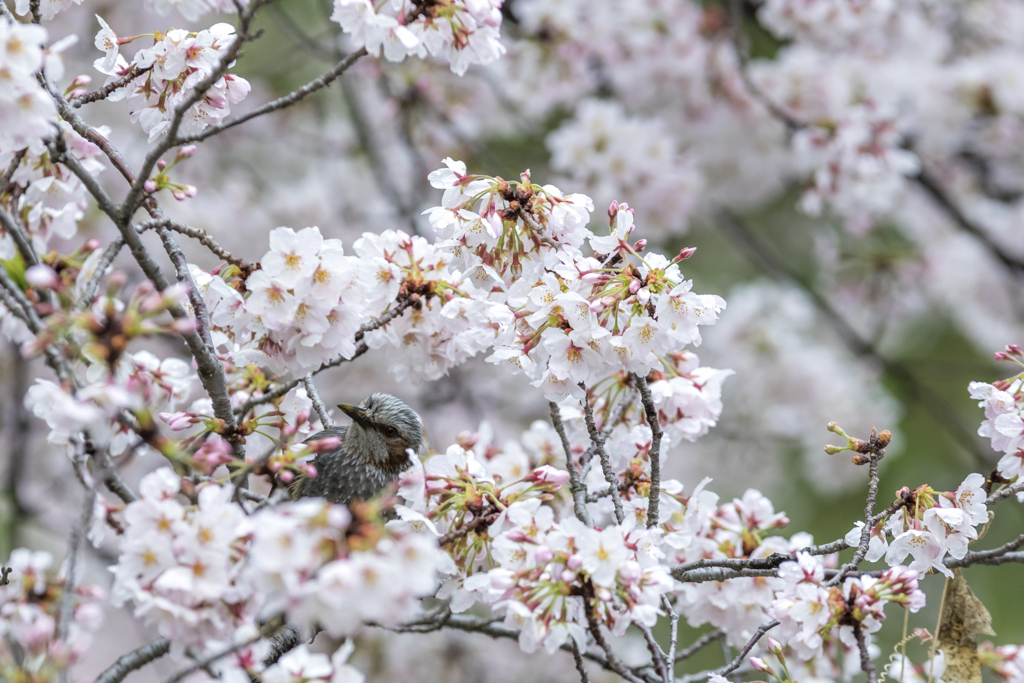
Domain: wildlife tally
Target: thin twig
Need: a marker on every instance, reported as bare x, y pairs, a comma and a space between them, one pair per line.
655, 453
575, 484
699, 644
318, 404
1005, 493
199, 235
134, 660
5, 179
614, 662
67, 598
89, 293
865, 532
741, 657
606, 464
865, 655
21, 239
106, 91
578, 658
203, 663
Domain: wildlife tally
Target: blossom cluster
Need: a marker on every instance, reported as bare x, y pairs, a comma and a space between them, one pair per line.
1003, 425
178, 62
460, 32
27, 112
546, 576
807, 609
578, 318
203, 573
45, 197
33, 646
858, 166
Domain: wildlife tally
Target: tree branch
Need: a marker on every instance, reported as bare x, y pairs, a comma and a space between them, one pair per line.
606, 464
655, 453
134, 660
575, 484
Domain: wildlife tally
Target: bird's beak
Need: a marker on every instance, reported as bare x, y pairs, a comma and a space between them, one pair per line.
356, 413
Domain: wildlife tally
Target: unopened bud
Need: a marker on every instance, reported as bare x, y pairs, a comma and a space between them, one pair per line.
568, 576
859, 459
543, 555
634, 286
603, 594
310, 471
640, 245
884, 438
187, 151
684, 254
832, 450
286, 476
1014, 350
91, 245
42, 276
191, 190
150, 186
161, 164
761, 665
574, 562
774, 646
613, 209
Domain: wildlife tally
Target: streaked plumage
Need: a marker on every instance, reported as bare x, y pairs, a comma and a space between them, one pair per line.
372, 453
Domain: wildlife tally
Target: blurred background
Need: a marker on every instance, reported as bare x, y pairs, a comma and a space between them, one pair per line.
852, 182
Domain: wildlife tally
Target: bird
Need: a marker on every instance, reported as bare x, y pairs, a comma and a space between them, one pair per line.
372, 452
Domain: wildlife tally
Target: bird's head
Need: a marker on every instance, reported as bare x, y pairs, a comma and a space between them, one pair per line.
383, 429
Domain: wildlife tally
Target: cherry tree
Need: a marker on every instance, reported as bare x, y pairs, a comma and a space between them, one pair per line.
172, 353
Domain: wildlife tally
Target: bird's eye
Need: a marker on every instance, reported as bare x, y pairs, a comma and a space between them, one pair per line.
391, 431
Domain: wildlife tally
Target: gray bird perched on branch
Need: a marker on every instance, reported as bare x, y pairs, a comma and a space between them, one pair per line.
372, 453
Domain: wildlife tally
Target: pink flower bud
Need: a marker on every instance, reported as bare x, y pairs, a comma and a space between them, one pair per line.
517, 536
286, 476
91, 245
543, 555
178, 420
187, 151
328, 443
643, 296
567, 576
310, 471
640, 245
603, 594
179, 195
549, 475
161, 164
634, 286
150, 186
81, 80
42, 276
774, 646
684, 254
613, 209
574, 561
1014, 349
760, 665
191, 190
